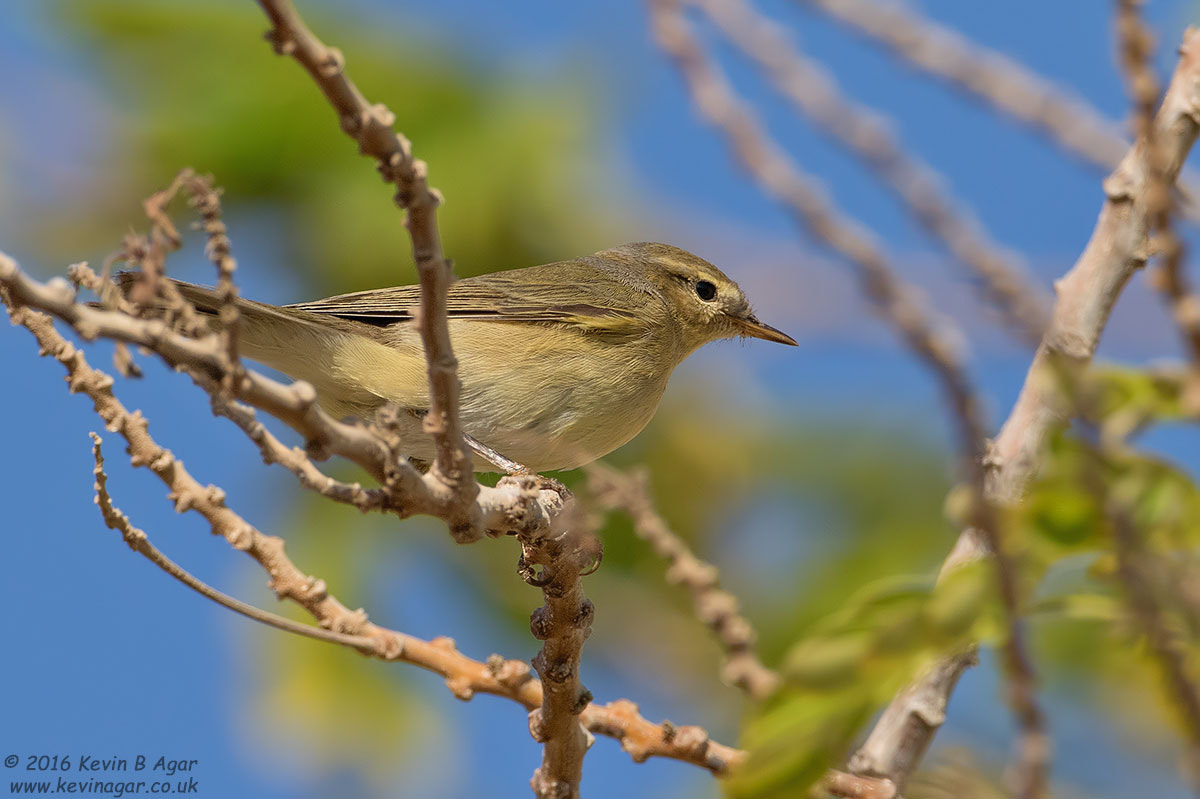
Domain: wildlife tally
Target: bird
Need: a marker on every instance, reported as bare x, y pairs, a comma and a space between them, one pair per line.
560, 364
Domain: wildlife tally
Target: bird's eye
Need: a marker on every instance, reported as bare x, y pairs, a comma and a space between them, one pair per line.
705, 290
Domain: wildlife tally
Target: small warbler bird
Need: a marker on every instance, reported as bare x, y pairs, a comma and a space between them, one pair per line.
560, 364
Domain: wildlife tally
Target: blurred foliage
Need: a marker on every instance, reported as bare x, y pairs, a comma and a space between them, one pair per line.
957, 774
851, 663
1064, 532
1127, 400
194, 84
841, 668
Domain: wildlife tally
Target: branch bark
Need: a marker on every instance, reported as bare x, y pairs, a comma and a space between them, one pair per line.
1136, 49
563, 623
139, 542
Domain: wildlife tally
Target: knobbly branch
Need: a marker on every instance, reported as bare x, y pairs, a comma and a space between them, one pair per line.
717, 608
140, 543
371, 127
557, 564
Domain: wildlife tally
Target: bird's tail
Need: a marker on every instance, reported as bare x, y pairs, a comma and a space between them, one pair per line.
208, 302
301, 344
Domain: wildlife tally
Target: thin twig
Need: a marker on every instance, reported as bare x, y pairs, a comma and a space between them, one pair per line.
140, 543
852, 786
1016, 91
1136, 49
150, 253
294, 459
207, 200
371, 127
1086, 295
464, 676
82, 276
815, 92
714, 606
779, 177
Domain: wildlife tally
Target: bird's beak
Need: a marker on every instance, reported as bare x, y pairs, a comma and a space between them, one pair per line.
752, 327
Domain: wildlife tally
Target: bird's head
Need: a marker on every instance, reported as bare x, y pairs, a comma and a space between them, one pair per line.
706, 304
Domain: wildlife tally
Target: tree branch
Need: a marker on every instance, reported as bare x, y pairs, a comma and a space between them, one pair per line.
140, 543
294, 459
207, 200
371, 127
1136, 50
717, 608
563, 624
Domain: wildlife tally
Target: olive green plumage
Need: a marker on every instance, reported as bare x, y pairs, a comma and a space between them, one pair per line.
560, 364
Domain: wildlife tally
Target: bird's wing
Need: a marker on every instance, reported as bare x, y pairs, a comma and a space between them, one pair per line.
536, 294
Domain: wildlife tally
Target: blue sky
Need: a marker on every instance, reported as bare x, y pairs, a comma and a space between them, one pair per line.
136, 667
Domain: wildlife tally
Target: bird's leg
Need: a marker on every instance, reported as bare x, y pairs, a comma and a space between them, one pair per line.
504, 464
514, 469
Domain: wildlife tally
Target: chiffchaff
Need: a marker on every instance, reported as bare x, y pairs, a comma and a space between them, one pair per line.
560, 364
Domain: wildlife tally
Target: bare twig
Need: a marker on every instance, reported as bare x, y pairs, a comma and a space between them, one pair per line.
717, 608
1136, 47
207, 200
1086, 295
861, 130
82, 276
140, 543
1072, 124
371, 127
464, 676
294, 459
779, 177
150, 253
562, 624
852, 786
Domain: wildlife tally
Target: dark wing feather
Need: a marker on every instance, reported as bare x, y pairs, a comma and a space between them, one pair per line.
537, 294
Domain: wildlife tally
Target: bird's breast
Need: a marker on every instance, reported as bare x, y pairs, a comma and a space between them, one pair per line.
554, 398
